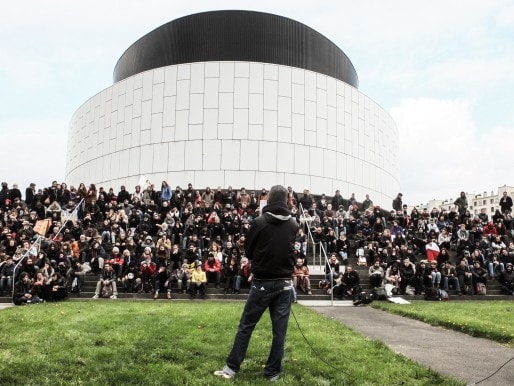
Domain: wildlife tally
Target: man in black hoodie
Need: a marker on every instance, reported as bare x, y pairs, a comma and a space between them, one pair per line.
270, 248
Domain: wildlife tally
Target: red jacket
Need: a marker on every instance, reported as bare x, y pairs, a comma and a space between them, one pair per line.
212, 265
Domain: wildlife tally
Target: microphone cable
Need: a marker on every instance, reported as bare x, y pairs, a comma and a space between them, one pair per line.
314, 351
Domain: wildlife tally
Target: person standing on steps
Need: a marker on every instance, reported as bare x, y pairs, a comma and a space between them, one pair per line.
270, 248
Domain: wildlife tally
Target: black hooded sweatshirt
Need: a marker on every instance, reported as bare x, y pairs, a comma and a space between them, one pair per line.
270, 243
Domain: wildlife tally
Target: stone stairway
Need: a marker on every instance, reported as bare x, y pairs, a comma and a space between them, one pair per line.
493, 291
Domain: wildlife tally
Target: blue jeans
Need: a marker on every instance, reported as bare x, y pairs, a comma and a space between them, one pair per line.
272, 294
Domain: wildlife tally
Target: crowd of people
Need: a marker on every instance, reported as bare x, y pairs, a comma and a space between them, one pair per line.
165, 240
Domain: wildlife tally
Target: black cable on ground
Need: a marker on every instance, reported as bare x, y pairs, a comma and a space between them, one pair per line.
499, 368
314, 351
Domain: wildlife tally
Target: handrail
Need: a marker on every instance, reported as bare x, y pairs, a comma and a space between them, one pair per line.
38, 242
322, 252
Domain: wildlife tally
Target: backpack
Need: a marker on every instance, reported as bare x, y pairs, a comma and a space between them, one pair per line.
443, 295
410, 290
365, 297
481, 289
106, 291
432, 293
379, 293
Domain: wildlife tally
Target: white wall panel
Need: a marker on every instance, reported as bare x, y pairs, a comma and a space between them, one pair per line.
240, 124
249, 155
241, 93
176, 156
211, 93
193, 155
230, 154
270, 125
226, 77
270, 94
196, 109
244, 124
267, 156
211, 155
226, 110
197, 78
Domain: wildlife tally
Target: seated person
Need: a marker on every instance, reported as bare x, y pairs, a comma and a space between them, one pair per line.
376, 274
506, 279
449, 278
212, 268
230, 273
301, 277
107, 277
392, 280
131, 278
349, 284
244, 277
407, 275
184, 278
57, 287
163, 282
478, 275
198, 282
464, 276
23, 292
332, 268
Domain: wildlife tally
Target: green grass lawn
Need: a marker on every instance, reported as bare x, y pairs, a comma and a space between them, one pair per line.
182, 343
491, 319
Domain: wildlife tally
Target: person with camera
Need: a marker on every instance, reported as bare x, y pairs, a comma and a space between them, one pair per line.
270, 247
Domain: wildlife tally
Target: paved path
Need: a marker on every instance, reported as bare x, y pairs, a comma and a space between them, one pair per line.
447, 352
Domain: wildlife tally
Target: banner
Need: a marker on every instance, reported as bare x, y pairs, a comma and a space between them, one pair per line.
42, 226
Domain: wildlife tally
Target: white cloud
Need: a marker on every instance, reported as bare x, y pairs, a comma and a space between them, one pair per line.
33, 151
441, 152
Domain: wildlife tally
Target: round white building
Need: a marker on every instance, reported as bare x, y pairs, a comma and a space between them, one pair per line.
235, 98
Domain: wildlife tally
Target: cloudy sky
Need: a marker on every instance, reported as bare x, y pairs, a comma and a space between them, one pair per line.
443, 69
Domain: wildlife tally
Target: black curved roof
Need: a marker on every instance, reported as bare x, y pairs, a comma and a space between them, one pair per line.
236, 36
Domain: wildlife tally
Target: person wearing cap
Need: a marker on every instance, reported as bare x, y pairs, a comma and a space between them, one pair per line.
506, 279
270, 248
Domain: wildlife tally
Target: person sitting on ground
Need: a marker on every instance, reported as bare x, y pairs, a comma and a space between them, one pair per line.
301, 277
506, 279
408, 276
376, 274
107, 277
449, 278
198, 282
